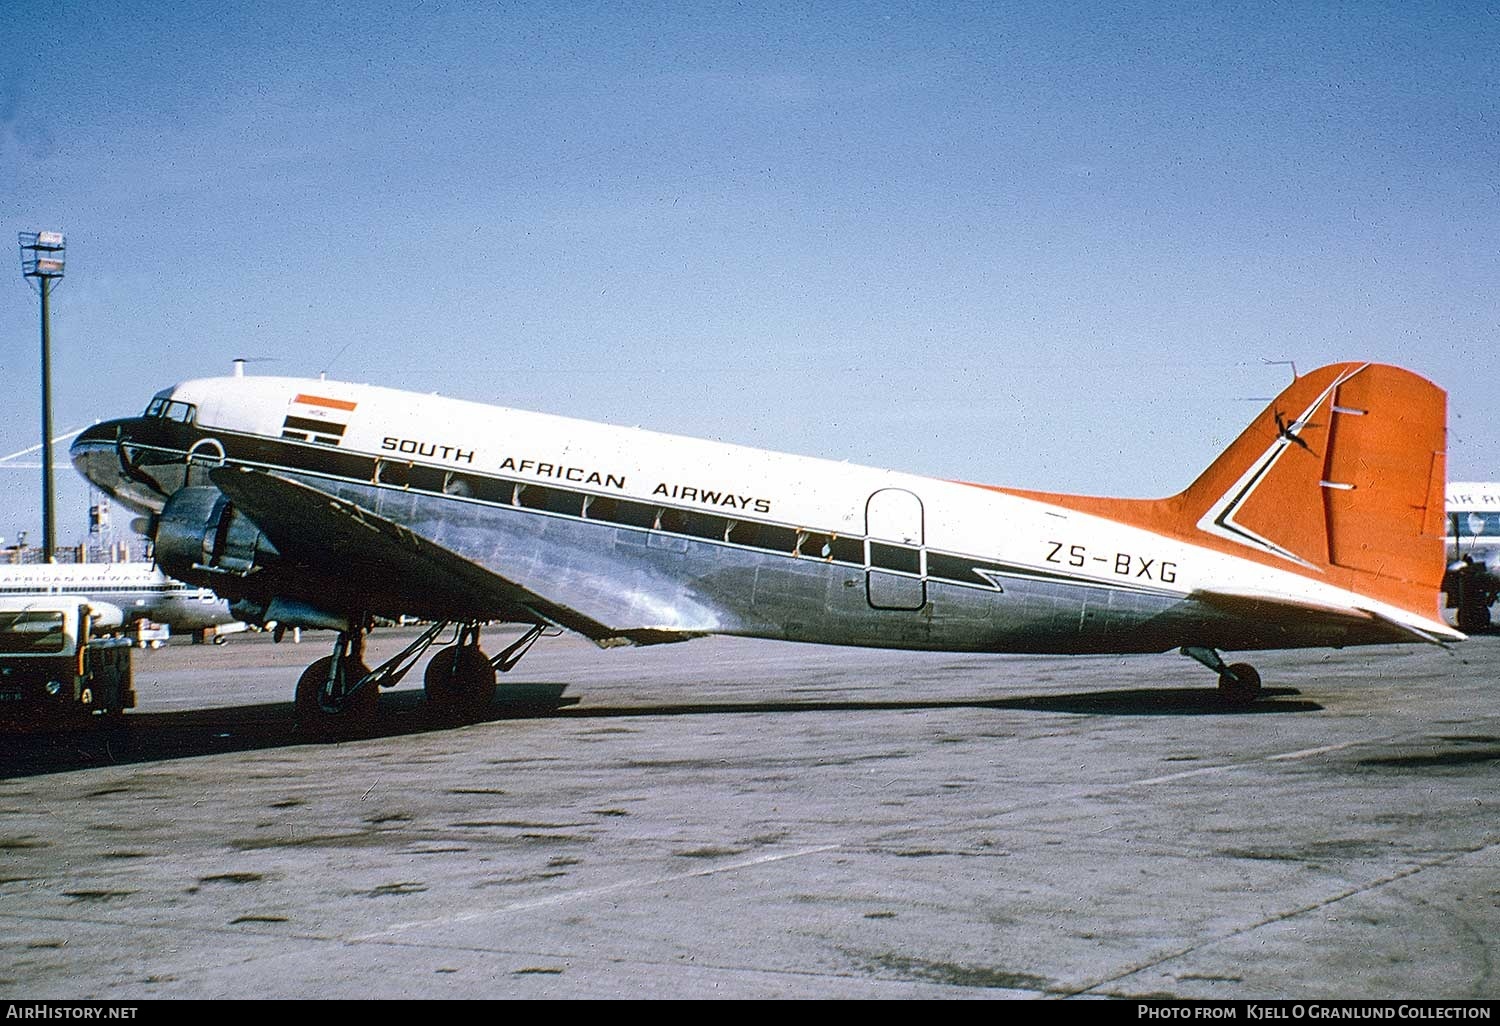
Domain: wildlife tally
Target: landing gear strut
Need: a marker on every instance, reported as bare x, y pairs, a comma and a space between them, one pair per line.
1238, 684
332, 697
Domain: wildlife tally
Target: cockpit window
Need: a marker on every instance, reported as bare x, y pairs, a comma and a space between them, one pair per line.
163, 408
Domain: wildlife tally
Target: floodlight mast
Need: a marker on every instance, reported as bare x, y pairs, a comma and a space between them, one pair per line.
42, 257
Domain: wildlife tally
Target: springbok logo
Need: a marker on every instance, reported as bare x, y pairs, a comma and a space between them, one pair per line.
1220, 520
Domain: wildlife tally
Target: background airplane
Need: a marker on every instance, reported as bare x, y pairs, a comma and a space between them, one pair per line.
1473, 580
139, 589
322, 504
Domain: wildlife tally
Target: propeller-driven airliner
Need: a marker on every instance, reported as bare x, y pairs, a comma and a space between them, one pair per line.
324, 504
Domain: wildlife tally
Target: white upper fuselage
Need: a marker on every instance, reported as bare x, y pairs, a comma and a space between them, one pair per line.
745, 483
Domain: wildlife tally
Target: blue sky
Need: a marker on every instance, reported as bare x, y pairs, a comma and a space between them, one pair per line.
1046, 245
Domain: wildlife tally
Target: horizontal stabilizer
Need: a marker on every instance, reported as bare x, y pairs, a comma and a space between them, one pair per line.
1341, 624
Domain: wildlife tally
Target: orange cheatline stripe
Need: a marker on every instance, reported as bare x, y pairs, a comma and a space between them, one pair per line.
317, 400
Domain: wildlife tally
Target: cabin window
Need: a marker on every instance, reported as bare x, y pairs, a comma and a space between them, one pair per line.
337, 464
764, 536
742, 533
703, 525
488, 489
458, 486
847, 550
559, 501
813, 546
427, 479
395, 473
532, 496
618, 511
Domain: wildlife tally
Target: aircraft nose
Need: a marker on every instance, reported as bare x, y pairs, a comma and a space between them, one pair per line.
101, 454
97, 434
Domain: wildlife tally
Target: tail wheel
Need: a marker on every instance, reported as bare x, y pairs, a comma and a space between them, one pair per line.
1239, 684
460, 682
323, 717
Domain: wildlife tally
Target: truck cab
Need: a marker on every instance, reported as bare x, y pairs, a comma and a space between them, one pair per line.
59, 662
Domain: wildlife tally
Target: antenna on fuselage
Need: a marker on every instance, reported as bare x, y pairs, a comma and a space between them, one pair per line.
323, 374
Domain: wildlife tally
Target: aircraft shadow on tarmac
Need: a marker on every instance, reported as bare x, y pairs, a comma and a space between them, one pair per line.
160, 736
1136, 702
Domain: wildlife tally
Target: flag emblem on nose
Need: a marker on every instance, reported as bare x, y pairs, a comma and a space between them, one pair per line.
316, 418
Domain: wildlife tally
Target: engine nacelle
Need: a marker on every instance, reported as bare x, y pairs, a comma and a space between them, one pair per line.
200, 534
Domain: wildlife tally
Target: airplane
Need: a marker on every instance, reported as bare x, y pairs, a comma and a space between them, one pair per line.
324, 504
1472, 583
138, 588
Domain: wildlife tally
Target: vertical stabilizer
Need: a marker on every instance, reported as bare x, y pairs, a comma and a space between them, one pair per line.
1341, 479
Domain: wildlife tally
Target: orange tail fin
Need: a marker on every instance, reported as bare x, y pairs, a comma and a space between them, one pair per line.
1341, 478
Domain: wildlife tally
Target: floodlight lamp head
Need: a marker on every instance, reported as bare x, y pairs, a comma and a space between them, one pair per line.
42, 254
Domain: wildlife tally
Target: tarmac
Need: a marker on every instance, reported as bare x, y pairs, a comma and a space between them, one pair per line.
737, 819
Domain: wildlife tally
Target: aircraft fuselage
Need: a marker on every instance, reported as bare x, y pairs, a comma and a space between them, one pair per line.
665, 537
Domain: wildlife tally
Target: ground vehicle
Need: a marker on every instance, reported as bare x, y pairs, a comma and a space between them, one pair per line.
58, 663
145, 634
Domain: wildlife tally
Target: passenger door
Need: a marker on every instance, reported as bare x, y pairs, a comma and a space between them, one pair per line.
895, 560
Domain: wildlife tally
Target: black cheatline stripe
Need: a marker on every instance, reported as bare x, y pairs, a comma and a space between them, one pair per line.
968, 571
945, 567
321, 427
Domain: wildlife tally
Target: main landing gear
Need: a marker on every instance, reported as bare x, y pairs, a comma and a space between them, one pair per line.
460, 681
337, 696
1239, 684
332, 698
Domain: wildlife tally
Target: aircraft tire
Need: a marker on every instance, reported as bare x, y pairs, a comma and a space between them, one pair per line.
357, 716
1240, 686
460, 682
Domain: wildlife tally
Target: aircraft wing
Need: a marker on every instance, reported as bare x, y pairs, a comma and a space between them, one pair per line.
1295, 616
311, 527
